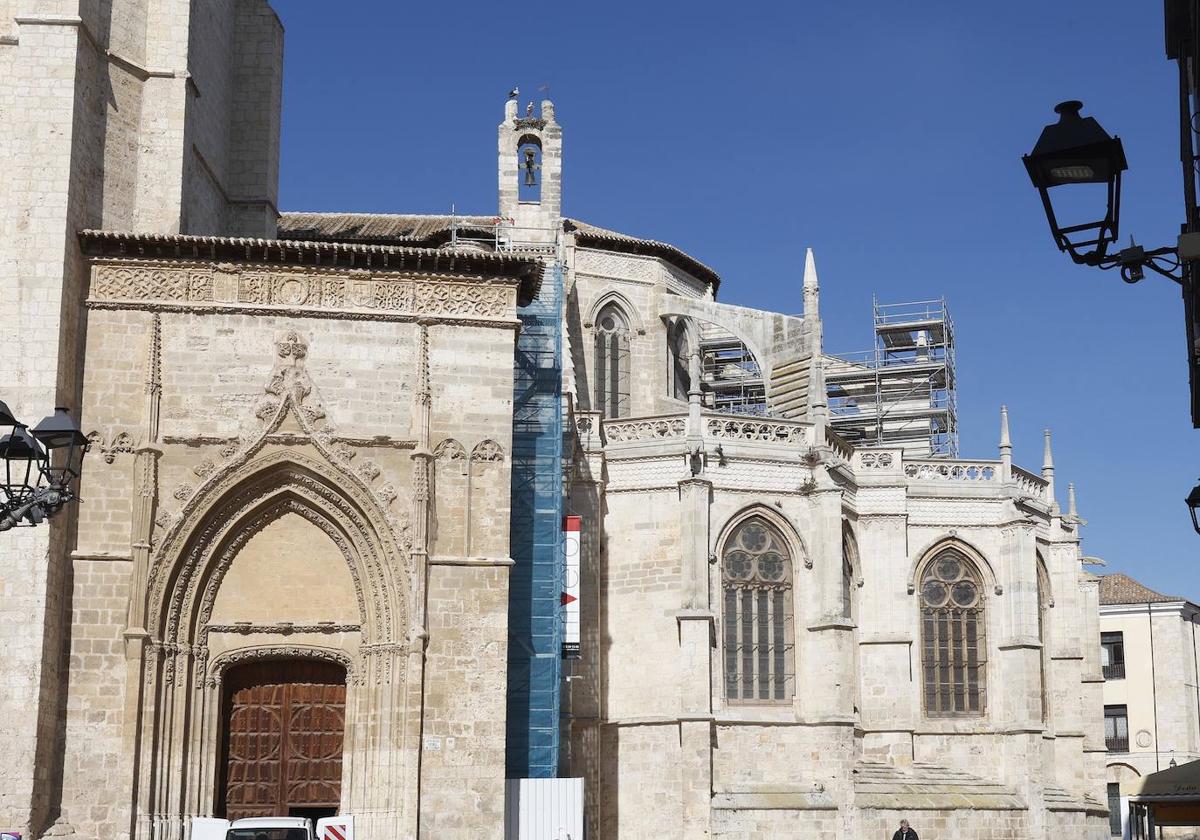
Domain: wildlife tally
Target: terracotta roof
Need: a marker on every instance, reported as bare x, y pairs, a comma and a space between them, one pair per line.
376, 227
433, 231
1117, 588
611, 240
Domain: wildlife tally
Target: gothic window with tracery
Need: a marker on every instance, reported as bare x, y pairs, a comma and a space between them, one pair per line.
953, 637
756, 577
612, 362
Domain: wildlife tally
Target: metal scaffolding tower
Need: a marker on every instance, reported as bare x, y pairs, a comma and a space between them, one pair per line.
731, 377
535, 582
902, 392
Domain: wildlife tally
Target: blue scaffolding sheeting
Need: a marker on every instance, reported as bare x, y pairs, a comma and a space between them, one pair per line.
535, 584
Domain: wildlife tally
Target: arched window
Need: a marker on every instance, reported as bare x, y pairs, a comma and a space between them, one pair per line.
529, 166
1043, 597
678, 351
612, 362
953, 636
756, 577
849, 559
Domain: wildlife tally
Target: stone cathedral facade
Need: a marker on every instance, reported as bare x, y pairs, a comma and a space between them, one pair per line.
286, 589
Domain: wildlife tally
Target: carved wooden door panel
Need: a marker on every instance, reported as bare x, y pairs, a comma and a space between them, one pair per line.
285, 723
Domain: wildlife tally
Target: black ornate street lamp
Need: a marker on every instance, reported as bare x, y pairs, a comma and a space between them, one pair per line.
1076, 150
1193, 503
41, 468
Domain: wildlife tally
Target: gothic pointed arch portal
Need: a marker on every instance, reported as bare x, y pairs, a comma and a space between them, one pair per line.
287, 474
198, 628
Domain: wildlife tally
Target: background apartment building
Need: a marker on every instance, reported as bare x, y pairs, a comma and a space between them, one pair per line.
1150, 646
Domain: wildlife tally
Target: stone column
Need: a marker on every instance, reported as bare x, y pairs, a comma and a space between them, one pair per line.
1014, 682
695, 621
888, 626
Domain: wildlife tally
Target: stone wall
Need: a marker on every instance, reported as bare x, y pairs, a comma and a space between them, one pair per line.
636, 284
462, 767
857, 716
191, 394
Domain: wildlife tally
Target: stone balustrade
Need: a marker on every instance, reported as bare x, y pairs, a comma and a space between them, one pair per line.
937, 469
1030, 484
717, 426
795, 435
756, 429
645, 428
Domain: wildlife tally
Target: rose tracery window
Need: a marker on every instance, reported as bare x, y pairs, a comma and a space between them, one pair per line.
756, 576
953, 638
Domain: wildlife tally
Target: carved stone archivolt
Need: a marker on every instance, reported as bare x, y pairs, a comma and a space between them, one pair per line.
183, 586
283, 628
347, 293
224, 662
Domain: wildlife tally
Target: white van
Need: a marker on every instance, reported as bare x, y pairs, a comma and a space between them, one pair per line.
273, 828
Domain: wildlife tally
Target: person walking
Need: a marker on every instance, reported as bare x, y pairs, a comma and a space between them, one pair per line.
905, 832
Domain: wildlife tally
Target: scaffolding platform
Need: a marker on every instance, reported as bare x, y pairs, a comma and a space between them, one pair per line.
902, 392
731, 378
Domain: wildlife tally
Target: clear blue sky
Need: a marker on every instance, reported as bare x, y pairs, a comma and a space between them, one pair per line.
887, 136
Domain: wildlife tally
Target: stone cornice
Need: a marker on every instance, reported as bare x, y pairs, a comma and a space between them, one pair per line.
196, 286
273, 254
451, 560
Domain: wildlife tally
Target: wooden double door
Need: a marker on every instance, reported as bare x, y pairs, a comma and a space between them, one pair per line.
284, 728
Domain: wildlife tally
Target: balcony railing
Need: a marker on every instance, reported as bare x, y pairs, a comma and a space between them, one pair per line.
1116, 671
1117, 745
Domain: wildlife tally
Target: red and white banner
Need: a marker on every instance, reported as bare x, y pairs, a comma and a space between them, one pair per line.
570, 591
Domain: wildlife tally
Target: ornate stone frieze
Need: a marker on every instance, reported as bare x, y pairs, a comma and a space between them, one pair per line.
876, 500
681, 282
925, 511
116, 444
207, 287
645, 474
618, 266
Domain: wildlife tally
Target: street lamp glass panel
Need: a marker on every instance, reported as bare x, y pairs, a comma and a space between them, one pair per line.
6, 416
1074, 150
60, 431
1073, 172
21, 453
